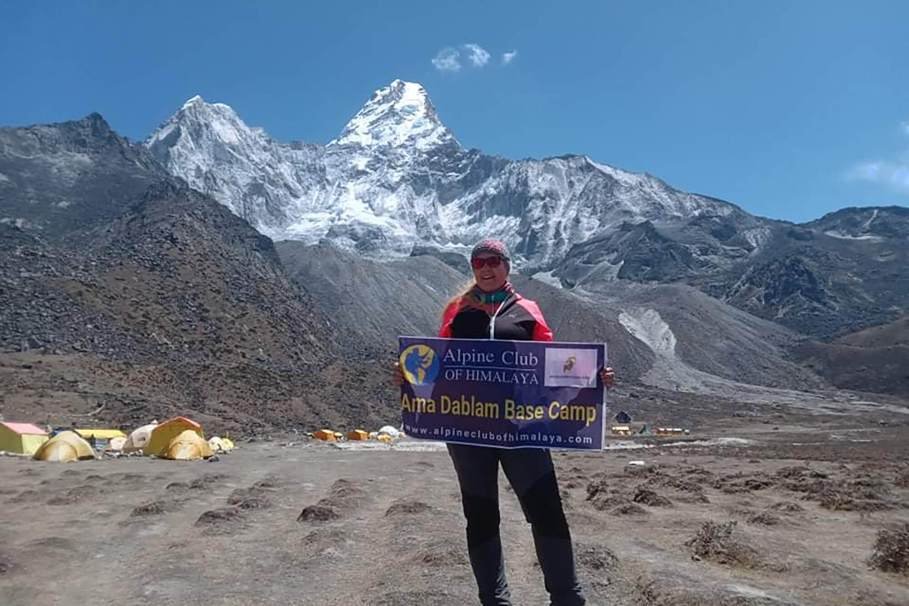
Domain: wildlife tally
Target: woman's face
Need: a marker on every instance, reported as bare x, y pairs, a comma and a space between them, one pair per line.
490, 271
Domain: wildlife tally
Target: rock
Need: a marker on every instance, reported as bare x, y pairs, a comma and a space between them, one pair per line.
318, 513
651, 498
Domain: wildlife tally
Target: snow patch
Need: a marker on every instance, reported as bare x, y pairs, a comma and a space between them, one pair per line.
870, 220
17, 221
647, 326
3, 178
756, 237
844, 236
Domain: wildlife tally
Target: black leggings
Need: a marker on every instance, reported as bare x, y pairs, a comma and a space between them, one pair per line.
531, 474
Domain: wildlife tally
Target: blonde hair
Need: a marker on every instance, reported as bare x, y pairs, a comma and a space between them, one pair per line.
463, 293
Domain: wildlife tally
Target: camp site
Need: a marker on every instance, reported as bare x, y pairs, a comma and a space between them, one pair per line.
156, 506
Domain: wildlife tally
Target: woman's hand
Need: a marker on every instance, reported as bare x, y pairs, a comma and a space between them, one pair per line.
397, 376
607, 376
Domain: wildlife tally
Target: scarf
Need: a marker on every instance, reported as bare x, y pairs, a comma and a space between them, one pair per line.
491, 298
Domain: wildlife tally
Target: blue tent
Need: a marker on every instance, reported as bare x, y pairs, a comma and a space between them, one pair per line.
622, 417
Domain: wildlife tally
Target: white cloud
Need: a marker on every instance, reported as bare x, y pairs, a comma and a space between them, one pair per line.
509, 57
452, 59
893, 172
447, 60
476, 54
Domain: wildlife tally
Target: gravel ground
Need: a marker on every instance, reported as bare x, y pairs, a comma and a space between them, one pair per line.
788, 517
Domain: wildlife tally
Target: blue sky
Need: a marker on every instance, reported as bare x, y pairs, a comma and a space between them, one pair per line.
789, 109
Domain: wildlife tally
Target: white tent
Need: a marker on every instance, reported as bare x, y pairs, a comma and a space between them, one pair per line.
389, 431
139, 438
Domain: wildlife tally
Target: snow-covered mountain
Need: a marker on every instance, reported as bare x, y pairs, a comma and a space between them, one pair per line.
397, 116
257, 178
396, 177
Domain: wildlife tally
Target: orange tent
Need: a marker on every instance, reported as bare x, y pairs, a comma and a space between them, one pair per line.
357, 434
188, 446
326, 435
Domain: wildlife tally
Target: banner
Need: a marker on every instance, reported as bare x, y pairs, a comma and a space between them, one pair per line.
510, 394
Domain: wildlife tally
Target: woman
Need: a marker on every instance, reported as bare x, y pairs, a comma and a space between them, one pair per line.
491, 309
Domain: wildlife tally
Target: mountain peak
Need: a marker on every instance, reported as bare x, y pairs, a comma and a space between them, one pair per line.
398, 114
96, 118
199, 119
196, 100
92, 126
90, 132
198, 107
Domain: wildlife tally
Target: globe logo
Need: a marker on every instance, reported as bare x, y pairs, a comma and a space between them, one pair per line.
419, 364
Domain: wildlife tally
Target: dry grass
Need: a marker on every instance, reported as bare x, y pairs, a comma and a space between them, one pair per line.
714, 542
891, 551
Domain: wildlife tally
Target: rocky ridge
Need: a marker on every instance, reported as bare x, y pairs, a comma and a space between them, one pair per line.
173, 305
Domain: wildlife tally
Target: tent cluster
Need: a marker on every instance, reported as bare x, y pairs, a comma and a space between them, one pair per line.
386, 434
177, 439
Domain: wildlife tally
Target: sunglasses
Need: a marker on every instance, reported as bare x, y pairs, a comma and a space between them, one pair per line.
480, 262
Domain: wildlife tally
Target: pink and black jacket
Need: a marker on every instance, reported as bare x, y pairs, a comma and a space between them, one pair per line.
505, 315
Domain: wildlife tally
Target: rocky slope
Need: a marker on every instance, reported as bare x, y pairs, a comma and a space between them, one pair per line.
58, 178
178, 299
875, 359
406, 296
669, 336
833, 276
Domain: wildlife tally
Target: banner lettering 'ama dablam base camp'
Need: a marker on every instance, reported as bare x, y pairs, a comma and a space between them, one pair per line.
510, 394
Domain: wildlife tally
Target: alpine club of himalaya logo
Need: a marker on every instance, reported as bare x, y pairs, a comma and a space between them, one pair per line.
420, 364
569, 364
570, 367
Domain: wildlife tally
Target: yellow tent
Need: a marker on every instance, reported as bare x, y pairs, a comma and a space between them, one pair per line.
188, 446
163, 434
65, 446
100, 438
101, 434
21, 438
138, 438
